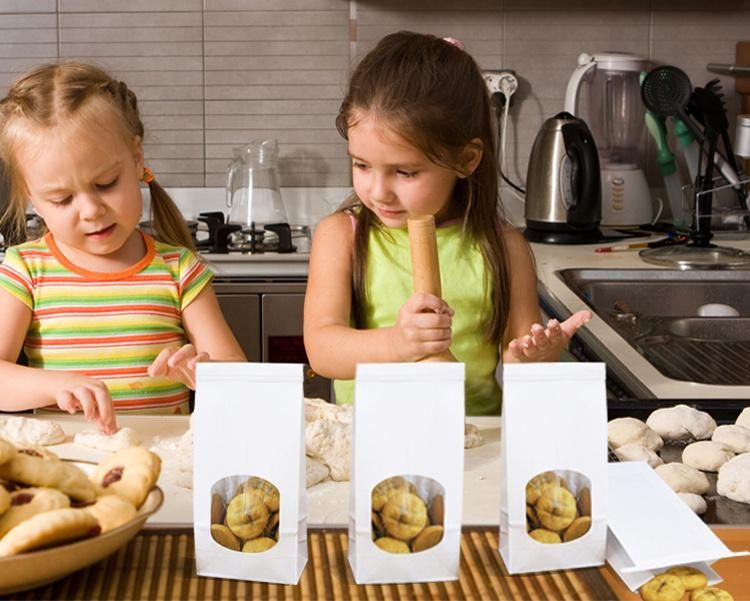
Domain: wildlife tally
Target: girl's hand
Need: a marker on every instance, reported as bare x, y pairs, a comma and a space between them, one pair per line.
423, 327
545, 344
92, 397
177, 364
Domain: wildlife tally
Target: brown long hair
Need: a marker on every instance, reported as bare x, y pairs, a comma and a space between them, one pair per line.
79, 97
432, 93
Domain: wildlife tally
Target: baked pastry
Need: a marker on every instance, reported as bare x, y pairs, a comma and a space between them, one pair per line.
28, 502
247, 514
429, 537
556, 508
577, 528
258, 545
270, 493
49, 472
539, 482
710, 593
130, 473
392, 545
545, 536
382, 489
111, 511
664, 587
7, 451
4, 500
49, 528
691, 578
225, 537
404, 514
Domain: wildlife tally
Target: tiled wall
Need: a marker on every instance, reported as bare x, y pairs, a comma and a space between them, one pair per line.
213, 74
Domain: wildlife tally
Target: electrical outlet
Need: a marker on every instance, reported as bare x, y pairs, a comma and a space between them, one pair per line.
501, 81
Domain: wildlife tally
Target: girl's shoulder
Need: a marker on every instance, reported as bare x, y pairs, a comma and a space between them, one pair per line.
341, 224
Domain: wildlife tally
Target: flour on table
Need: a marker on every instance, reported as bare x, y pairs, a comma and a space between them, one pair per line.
176, 453
27, 430
122, 439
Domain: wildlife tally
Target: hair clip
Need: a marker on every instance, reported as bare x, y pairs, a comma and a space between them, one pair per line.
148, 175
454, 42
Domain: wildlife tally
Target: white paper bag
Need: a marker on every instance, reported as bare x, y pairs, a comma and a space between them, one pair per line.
408, 435
651, 529
554, 440
249, 424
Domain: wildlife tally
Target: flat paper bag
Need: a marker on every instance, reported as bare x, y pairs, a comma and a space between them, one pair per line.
406, 488
249, 472
651, 529
553, 466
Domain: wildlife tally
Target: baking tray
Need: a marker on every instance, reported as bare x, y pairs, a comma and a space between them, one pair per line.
721, 511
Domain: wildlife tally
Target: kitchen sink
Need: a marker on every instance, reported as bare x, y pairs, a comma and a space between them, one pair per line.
692, 326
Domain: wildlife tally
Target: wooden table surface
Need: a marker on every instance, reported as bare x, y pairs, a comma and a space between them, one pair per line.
161, 565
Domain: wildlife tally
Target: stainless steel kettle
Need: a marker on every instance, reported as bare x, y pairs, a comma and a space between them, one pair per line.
563, 184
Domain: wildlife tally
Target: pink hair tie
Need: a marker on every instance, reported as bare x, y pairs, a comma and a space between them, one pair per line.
453, 41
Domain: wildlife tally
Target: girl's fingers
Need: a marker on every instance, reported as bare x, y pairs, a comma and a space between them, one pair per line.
182, 354
571, 325
107, 421
87, 402
160, 366
539, 336
420, 302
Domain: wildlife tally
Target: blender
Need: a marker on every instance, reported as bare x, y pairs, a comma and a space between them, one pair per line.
604, 90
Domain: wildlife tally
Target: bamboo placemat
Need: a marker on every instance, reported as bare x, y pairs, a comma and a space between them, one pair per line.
161, 565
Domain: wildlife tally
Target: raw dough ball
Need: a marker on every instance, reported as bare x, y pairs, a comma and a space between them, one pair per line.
695, 502
27, 430
331, 442
736, 438
706, 455
635, 452
472, 437
681, 423
319, 409
734, 479
625, 430
744, 418
124, 438
316, 471
683, 478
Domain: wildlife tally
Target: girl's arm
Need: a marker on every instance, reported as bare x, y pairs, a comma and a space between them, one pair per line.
525, 338
333, 346
26, 388
210, 338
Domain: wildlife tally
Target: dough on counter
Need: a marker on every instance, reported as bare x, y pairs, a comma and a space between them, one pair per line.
736, 438
319, 409
635, 452
472, 437
734, 479
124, 438
316, 471
706, 455
696, 502
330, 442
683, 478
743, 419
626, 430
27, 430
681, 423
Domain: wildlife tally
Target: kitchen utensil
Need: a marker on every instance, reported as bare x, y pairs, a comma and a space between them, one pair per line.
253, 191
667, 165
563, 189
614, 112
425, 265
725, 69
742, 84
666, 91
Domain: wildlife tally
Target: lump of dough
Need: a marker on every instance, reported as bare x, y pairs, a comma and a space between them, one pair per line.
681, 423
635, 452
744, 418
316, 471
734, 479
124, 438
625, 430
331, 442
320, 409
683, 478
27, 430
695, 502
706, 455
736, 438
472, 437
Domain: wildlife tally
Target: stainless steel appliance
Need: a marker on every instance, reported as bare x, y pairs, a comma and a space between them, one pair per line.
563, 191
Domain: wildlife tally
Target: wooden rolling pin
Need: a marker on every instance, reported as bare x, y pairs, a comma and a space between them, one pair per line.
425, 265
742, 84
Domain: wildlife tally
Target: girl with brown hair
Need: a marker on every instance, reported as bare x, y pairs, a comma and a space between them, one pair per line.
417, 118
109, 318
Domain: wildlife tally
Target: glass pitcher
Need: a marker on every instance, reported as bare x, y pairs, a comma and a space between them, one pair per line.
253, 193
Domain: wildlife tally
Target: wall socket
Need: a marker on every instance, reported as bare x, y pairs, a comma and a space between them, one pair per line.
501, 81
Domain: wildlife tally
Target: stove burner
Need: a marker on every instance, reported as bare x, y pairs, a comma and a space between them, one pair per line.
232, 237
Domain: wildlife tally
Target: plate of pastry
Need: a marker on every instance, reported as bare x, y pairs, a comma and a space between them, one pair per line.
58, 516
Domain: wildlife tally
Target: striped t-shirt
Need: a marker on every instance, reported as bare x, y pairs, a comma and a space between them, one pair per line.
109, 326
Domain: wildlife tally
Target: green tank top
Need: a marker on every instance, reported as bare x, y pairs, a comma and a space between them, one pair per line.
388, 284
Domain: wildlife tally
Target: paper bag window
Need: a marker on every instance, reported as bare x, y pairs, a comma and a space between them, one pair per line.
245, 513
407, 514
558, 506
